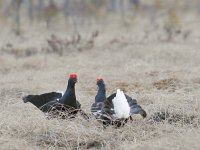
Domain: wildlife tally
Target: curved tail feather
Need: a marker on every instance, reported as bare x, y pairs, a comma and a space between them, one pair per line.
137, 109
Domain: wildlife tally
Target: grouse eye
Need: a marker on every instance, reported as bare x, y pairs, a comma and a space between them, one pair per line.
75, 79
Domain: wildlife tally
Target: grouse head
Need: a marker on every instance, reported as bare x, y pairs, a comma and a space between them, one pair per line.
100, 82
72, 80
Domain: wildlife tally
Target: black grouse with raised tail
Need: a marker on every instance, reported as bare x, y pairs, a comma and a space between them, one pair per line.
116, 109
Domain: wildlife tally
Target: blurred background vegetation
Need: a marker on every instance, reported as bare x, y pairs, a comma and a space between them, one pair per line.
64, 25
78, 12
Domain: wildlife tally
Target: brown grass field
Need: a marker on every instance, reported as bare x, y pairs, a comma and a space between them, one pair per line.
162, 74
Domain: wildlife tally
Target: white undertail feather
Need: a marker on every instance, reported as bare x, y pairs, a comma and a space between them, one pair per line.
121, 106
62, 92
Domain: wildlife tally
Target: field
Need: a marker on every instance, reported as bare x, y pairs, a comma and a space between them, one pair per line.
160, 71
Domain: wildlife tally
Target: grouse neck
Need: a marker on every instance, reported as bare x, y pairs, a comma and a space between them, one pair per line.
102, 88
71, 83
101, 94
70, 92
69, 98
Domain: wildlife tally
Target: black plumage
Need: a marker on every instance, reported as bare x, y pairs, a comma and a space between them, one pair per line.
104, 111
100, 97
41, 100
55, 103
134, 107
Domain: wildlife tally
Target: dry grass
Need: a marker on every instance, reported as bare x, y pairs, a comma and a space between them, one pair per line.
164, 78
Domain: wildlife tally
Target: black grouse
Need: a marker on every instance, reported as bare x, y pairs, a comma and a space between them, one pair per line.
55, 103
117, 109
99, 98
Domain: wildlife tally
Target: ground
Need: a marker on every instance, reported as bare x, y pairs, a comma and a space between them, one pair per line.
162, 74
